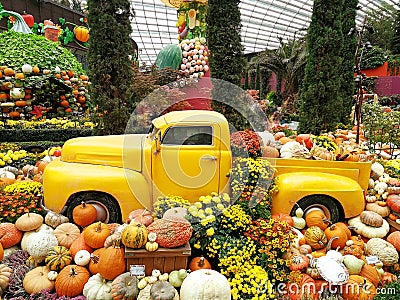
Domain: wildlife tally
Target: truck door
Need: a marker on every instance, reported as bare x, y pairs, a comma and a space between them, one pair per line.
187, 162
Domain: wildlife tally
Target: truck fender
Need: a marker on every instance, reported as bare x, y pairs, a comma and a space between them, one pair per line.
292, 187
129, 188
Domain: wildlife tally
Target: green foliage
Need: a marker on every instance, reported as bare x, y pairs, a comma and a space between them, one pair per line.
380, 127
18, 49
226, 56
110, 70
29, 135
396, 35
347, 66
320, 97
373, 58
382, 19
389, 291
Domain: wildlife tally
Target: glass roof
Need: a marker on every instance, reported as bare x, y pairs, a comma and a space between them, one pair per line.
263, 22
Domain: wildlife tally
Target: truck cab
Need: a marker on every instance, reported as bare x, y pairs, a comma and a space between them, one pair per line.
188, 154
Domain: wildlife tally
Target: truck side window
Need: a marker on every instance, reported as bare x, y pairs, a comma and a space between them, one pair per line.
188, 135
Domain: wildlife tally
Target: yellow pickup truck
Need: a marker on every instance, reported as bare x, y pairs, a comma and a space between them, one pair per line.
187, 153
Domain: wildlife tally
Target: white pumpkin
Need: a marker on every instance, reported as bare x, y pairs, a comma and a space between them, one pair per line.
17, 93
385, 251
82, 258
97, 288
41, 242
26, 68
369, 231
205, 284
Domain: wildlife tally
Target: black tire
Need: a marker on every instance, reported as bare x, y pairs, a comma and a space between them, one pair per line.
328, 205
106, 202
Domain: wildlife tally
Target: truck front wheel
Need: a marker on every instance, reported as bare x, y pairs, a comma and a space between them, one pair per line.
329, 206
108, 210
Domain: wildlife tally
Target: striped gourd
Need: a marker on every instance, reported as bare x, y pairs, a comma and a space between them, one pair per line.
58, 257
171, 232
134, 235
315, 237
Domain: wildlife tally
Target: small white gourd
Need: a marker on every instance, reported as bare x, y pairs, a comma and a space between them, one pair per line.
52, 275
40, 243
151, 279
163, 277
82, 258
298, 220
142, 283
156, 273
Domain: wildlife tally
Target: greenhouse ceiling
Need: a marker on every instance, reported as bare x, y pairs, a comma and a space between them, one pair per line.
263, 22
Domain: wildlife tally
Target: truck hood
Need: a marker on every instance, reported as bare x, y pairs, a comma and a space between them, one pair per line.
123, 151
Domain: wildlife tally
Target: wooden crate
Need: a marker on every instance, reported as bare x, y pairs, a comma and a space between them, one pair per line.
163, 259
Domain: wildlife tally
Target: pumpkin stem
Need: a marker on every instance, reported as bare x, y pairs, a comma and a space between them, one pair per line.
72, 272
201, 262
329, 245
83, 204
94, 258
98, 229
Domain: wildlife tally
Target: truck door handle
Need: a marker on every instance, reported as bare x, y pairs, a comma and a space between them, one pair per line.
208, 157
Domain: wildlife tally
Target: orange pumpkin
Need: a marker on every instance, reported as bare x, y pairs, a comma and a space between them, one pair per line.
64, 103
71, 280
20, 103
9, 235
269, 151
304, 290
1, 252
8, 72
79, 244
369, 272
198, 263
14, 114
393, 201
387, 278
84, 214
41, 165
95, 234
81, 99
35, 70
19, 76
317, 218
112, 262
394, 239
94, 260
358, 288
282, 217
342, 233
81, 33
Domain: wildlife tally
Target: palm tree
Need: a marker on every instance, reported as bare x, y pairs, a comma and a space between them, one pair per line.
288, 63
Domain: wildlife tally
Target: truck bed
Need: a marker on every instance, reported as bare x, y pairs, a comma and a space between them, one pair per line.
358, 171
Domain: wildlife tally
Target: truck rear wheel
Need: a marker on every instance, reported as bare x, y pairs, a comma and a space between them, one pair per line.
326, 204
107, 208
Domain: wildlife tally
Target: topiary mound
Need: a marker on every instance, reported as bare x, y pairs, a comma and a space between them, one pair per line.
18, 49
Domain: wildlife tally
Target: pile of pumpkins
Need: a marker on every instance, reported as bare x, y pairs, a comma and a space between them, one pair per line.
16, 97
337, 146
87, 257
363, 249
